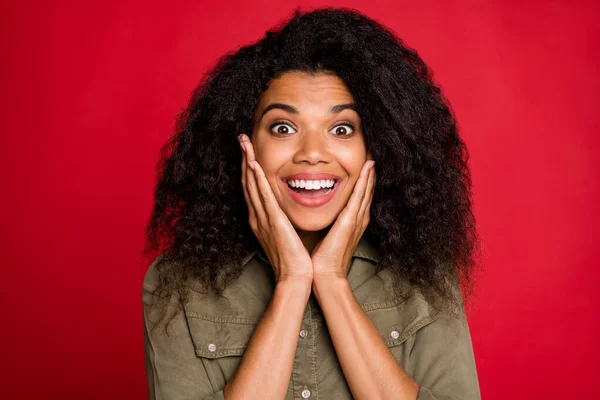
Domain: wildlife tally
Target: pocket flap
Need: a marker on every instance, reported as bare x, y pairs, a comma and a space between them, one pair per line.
220, 336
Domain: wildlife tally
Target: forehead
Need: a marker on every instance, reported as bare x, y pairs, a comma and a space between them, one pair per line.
299, 87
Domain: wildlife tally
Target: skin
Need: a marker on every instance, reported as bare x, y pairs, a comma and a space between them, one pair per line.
305, 255
313, 140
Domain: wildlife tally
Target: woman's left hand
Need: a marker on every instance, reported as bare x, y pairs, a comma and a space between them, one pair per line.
331, 257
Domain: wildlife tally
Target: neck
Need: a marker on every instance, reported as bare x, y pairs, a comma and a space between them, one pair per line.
310, 239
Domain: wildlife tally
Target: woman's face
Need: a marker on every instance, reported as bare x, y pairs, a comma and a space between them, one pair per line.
306, 137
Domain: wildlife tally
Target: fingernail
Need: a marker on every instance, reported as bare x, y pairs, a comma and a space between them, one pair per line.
252, 165
243, 146
371, 163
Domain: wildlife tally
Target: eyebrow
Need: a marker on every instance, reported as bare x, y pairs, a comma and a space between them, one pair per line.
292, 110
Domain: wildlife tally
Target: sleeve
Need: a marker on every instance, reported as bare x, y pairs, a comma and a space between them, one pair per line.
443, 362
173, 371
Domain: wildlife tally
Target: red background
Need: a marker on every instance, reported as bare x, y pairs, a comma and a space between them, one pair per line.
89, 92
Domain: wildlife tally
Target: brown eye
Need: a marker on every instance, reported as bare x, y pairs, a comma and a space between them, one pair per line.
281, 128
343, 130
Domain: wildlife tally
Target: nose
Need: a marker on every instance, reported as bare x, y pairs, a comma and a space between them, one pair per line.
313, 148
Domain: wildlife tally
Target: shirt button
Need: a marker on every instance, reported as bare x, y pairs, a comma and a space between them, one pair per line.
395, 335
305, 394
303, 334
212, 347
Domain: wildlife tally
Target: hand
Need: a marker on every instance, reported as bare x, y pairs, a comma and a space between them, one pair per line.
273, 229
332, 256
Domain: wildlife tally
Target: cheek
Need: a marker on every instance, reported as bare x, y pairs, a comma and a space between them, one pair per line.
265, 155
352, 161
271, 158
273, 152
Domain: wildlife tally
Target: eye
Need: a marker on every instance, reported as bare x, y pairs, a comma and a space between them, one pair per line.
282, 128
343, 129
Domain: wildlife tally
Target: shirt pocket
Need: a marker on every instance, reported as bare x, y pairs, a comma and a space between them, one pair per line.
219, 343
399, 320
216, 336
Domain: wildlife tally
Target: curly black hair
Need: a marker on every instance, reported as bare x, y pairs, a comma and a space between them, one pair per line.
421, 215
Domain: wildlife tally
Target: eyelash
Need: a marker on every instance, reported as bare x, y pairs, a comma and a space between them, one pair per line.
275, 123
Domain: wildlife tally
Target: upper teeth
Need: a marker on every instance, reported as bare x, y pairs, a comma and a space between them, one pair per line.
311, 185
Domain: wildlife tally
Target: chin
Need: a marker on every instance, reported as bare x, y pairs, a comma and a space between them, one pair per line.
311, 224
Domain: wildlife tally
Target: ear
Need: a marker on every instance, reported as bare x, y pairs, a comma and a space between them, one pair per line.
369, 156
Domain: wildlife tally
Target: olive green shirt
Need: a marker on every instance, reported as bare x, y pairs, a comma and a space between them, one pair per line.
206, 341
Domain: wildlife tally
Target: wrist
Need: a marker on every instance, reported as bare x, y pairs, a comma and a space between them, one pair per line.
298, 285
328, 279
297, 274
328, 283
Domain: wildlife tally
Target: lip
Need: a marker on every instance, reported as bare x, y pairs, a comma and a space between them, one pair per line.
311, 176
311, 201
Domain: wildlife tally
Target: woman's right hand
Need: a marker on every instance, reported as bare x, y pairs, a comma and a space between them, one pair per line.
289, 258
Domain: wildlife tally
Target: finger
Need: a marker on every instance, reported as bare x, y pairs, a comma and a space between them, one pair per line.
372, 189
253, 191
368, 194
358, 194
270, 202
250, 175
249, 148
260, 188
251, 209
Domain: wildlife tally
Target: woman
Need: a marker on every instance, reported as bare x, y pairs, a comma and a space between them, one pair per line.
320, 275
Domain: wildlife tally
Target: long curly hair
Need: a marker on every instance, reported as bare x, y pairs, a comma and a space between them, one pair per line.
421, 216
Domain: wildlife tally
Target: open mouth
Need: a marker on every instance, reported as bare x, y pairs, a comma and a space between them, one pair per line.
316, 188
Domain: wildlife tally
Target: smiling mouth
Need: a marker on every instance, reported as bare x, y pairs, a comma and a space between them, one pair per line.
312, 188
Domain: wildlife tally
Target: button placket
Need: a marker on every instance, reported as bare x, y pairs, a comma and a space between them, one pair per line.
301, 370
